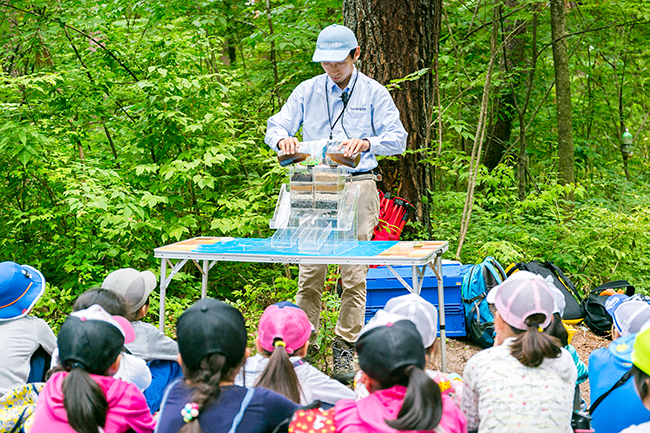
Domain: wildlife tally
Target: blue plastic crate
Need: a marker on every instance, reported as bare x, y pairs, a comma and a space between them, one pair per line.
382, 285
454, 315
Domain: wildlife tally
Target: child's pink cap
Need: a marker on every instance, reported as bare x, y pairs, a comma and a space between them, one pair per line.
287, 322
518, 298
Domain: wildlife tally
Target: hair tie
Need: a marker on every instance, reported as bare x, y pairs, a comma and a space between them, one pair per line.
280, 343
539, 328
190, 411
78, 365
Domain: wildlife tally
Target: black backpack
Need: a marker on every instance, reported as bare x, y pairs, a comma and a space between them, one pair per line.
596, 316
573, 309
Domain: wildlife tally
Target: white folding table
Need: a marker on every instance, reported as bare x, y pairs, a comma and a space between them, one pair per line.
205, 252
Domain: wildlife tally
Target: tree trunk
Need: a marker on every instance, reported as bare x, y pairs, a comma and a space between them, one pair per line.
563, 93
505, 113
397, 39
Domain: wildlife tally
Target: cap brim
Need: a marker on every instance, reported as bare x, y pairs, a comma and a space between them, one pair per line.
613, 302
29, 299
150, 280
330, 55
127, 329
621, 348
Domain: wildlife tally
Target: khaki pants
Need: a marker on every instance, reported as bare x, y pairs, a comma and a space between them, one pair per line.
353, 277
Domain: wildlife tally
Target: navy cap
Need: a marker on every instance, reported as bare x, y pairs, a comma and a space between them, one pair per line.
210, 326
92, 339
385, 348
334, 44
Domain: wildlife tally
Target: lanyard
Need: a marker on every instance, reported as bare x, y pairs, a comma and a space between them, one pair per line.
346, 98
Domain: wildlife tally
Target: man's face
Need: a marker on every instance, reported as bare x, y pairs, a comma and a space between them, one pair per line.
340, 72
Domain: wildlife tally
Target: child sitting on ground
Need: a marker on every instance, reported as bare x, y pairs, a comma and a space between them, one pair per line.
525, 382
425, 317
150, 343
282, 339
605, 370
21, 335
212, 341
83, 396
402, 396
132, 369
634, 350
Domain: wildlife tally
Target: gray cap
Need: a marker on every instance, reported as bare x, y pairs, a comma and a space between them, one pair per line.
134, 285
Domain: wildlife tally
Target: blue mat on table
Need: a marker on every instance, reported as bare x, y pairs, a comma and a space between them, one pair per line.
264, 247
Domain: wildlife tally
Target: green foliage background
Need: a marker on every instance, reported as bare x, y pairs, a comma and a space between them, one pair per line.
127, 125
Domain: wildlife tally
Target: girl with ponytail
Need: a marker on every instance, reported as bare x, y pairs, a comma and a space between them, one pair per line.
212, 344
402, 395
82, 395
282, 339
526, 381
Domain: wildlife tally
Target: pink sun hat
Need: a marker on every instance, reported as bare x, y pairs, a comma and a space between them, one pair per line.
286, 322
516, 299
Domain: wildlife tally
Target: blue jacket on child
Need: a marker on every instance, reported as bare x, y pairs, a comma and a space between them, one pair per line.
622, 407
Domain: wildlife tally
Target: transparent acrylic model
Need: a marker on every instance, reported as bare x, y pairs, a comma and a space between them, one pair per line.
317, 212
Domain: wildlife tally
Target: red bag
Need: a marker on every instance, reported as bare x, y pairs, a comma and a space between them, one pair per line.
393, 214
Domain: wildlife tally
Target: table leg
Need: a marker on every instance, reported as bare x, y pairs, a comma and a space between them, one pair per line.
163, 293
204, 280
414, 273
437, 269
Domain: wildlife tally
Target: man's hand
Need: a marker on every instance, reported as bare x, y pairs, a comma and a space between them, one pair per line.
288, 145
354, 146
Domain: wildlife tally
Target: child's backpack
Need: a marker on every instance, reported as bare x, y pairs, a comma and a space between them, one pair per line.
476, 284
17, 407
573, 311
596, 316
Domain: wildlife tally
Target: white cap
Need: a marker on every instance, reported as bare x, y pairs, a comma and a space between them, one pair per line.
419, 311
630, 316
96, 312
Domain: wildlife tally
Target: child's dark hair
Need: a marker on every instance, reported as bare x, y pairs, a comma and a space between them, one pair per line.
84, 401
213, 369
557, 330
112, 302
532, 346
422, 406
279, 375
641, 381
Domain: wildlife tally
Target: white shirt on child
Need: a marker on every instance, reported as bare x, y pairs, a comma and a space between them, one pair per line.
19, 339
501, 394
315, 384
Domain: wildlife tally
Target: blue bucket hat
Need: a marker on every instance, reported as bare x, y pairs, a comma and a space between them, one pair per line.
334, 44
21, 286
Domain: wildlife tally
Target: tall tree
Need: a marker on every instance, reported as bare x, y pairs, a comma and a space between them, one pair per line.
398, 39
514, 49
563, 93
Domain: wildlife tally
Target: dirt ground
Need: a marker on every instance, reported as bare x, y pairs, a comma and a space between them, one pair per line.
460, 350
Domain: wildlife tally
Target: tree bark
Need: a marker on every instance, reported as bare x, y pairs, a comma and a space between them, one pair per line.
397, 39
563, 94
500, 128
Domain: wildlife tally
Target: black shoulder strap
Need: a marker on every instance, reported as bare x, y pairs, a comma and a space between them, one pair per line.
620, 382
618, 284
563, 278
